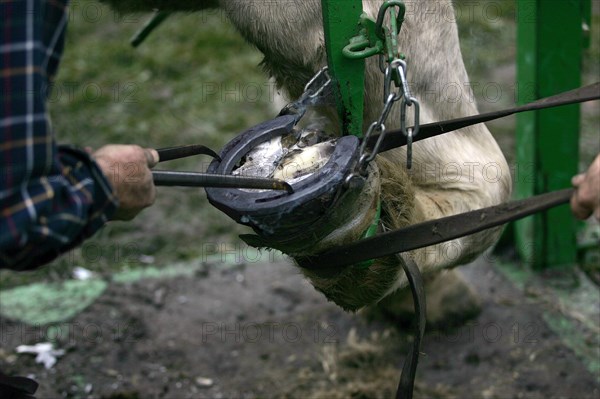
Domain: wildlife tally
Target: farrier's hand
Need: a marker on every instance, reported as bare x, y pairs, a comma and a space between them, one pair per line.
586, 199
127, 167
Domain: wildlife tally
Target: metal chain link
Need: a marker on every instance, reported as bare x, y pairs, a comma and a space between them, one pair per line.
394, 71
408, 101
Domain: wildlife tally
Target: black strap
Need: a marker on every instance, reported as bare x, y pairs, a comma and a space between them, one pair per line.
409, 370
395, 138
433, 232
17, 387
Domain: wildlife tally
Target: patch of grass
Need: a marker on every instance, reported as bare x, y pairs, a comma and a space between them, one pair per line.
41, 304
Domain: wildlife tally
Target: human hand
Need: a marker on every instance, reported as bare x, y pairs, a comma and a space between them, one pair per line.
586, 199
127, 168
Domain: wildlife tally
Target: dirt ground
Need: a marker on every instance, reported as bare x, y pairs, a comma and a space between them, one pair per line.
260, 330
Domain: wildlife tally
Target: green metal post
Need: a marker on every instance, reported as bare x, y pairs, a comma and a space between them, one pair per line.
340, 23
548, 62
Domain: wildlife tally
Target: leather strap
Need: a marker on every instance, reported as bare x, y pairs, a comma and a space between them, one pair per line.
409, 370
17, 387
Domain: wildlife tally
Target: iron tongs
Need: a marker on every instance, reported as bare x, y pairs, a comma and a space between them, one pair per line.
196, 179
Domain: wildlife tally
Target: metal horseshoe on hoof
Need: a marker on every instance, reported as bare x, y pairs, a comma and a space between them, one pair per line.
272, 213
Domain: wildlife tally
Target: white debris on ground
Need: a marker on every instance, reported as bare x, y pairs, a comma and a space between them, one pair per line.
146, 259
204, 382
82, 274
46, 354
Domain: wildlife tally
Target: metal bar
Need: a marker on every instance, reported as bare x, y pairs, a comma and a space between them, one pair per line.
409, 369
526, 123
157, 18
432, 232
195, 179
170, 153
340, 23
395, 138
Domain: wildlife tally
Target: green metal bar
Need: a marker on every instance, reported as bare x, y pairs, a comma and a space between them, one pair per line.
586, 13
340, 24
549, 61
526, 123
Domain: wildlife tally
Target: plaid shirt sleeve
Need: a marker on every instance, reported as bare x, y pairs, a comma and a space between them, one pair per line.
51, 197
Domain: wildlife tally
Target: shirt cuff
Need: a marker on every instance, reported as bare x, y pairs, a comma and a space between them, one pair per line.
104, 202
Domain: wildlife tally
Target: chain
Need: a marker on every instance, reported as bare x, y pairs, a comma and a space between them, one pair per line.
407, 101
394, 72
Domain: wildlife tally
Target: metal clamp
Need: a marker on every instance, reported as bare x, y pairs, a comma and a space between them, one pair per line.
367, 43
390, 34
309, 87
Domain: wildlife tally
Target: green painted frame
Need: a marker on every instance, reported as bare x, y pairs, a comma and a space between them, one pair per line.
550, 47
340, 24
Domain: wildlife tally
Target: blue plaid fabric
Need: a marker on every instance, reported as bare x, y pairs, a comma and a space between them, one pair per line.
51, 197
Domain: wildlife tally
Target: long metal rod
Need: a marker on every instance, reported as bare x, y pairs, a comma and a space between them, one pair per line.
395, 138
433, 232
157, 18
170, 153
195, 179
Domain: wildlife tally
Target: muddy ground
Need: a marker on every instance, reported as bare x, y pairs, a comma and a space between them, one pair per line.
260, 330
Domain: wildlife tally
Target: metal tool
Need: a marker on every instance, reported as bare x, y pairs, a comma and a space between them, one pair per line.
172, 178
395, 138
170, 153
434, 231
196, 179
